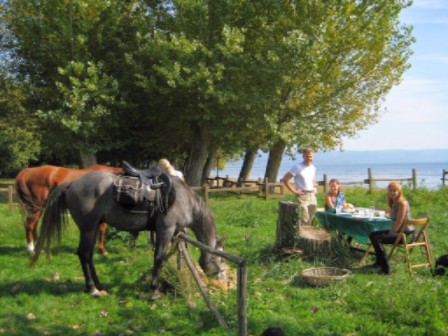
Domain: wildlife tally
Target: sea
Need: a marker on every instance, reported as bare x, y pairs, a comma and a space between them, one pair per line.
352, 166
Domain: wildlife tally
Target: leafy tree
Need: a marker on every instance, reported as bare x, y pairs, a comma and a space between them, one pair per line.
277, 74
60, 49
188, 79
19, 139
335, 62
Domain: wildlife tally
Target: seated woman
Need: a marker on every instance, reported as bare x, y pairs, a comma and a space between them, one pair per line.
335, 197
399, 213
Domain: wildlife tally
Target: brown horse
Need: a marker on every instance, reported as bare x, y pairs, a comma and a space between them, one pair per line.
34, 185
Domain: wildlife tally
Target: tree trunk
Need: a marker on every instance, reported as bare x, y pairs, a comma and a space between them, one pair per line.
86, 159
248, 163
275, 160
209, 164
198, 154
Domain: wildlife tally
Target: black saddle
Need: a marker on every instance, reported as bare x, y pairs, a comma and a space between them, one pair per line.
155, 187
147, 176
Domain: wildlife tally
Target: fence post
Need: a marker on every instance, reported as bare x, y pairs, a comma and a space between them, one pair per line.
260, 186
242, 298
325, 183
414, 179
445, 172
266, 188
370, 177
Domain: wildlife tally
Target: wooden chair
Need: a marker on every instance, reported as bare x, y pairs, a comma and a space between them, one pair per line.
421, 240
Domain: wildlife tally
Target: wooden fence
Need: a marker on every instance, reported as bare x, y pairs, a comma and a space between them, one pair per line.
370, 180
8, 187
261, 188
268, 189
241, 281
258, 187
444, 178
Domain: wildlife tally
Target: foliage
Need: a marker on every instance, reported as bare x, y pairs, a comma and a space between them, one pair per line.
19, 143
135, 77
34, 303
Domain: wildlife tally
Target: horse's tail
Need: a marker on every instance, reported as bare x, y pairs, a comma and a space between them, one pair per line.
26, 201
53, 221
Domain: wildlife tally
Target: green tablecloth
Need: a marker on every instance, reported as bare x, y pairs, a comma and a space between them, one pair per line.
357, 228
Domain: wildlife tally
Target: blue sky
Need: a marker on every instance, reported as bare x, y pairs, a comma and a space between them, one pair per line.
417, 109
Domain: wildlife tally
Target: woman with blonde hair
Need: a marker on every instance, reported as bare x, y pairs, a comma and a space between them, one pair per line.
399, 213
166, 166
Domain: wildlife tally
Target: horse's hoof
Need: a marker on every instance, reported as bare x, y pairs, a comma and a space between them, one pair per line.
98, 293
103, 251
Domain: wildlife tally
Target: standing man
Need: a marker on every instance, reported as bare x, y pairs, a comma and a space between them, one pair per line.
304, 174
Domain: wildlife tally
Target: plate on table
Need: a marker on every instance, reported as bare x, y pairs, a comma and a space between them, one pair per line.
357, 215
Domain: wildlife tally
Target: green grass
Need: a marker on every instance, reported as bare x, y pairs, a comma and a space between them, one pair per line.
31, 303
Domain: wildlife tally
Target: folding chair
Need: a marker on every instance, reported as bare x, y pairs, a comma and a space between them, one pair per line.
421, 240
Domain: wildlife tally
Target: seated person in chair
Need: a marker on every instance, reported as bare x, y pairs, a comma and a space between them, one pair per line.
335, 197
399, 213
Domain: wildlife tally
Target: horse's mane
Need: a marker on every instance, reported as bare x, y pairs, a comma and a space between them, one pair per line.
198, 204
202, 210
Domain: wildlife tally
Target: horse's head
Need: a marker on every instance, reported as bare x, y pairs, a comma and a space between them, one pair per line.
213, 265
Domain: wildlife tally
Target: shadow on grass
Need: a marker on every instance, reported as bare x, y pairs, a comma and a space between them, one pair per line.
36, 287
12, 250
19, 324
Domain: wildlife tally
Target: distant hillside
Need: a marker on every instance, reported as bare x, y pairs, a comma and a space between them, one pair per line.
390, 156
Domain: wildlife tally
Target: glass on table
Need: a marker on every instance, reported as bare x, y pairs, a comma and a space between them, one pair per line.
338, 209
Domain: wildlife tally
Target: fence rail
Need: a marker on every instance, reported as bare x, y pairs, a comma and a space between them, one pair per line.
370, 180
8, 187
268, 189
241, 282
258, 187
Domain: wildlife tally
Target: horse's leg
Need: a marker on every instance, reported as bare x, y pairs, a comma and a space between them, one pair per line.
85, 254
152, 238
163, 238
101, 238
32, 218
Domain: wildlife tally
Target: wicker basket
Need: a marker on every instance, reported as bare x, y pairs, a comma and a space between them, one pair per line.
324, 276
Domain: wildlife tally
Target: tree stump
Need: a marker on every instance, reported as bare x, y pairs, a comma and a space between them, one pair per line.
286, 225
314, 241
296, 238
